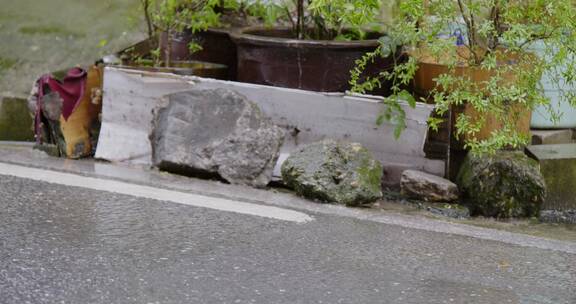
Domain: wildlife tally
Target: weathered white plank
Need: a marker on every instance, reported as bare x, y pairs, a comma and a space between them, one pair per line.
128, 101
130, 96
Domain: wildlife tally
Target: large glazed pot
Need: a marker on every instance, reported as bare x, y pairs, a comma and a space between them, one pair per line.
438, 142
217, 47
273, 57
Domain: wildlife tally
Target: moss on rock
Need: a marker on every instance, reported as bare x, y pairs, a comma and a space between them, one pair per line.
15, 120
507, 184
330, 171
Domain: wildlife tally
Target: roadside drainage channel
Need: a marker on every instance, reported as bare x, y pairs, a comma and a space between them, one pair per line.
24, 156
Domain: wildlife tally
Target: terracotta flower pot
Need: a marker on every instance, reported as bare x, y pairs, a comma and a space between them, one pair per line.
274, 57
429, 68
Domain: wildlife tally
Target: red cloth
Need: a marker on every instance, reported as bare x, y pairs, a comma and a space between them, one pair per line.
70, 89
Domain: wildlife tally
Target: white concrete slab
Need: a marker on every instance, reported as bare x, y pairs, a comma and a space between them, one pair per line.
130, 96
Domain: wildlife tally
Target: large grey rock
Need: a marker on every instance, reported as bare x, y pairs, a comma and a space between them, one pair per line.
507, 184
427, 187
338, 172
216, 132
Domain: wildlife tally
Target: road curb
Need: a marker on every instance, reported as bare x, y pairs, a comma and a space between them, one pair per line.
23, 156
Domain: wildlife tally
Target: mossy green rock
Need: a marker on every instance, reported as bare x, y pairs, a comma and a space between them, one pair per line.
334, 172
507, 184
15, 120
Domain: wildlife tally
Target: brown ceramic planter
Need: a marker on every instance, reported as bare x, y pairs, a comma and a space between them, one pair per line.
438, 141
429, 69
138, 57
273, 57
217, 47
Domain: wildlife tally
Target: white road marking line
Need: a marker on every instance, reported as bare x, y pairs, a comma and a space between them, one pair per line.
195, 200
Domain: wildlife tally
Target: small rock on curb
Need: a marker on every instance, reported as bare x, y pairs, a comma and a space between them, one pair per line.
427, 187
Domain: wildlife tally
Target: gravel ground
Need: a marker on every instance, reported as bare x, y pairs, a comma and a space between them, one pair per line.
50, 35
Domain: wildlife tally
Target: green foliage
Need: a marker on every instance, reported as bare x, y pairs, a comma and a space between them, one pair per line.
310, 19
401, 76
268, 11
336, 16
497, 39
322, 19
178, 15
173, 16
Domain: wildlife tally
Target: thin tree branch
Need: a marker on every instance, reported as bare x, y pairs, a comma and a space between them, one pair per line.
469, 25
289, 14
146, 8
495, 17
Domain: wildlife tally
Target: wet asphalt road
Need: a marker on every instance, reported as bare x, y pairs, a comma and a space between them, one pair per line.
62, 244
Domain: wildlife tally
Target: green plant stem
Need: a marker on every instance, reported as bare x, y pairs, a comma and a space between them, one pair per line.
290, 19
300, 20
495, 15
470, 25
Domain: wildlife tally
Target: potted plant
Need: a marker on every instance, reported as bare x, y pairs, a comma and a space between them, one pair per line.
169, 47
473, 58
201, 29
313, 44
